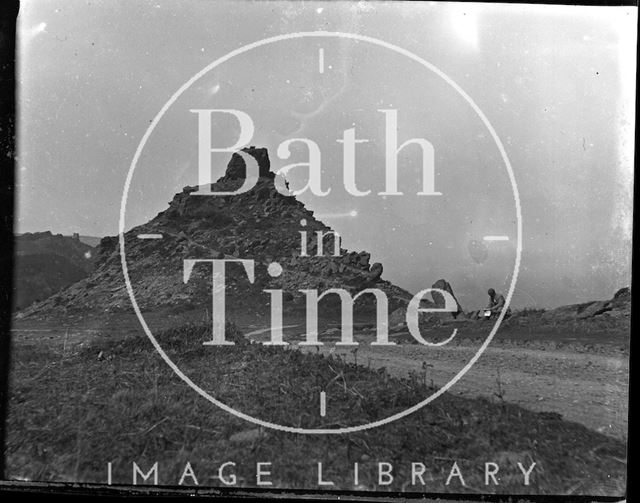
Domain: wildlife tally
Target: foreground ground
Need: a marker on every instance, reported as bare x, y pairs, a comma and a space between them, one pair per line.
587, 387
576, 371
80, 400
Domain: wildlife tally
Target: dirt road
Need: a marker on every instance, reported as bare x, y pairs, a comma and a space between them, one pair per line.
586, 387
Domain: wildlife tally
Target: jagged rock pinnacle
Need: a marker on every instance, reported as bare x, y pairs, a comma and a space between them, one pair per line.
237, 168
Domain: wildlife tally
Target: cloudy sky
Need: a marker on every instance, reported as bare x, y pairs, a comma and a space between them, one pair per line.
555, 82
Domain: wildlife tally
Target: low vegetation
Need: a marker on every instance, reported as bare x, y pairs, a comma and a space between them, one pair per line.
75, 409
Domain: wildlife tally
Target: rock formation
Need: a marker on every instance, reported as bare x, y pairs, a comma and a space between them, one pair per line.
439, 300
619, 307
260, 224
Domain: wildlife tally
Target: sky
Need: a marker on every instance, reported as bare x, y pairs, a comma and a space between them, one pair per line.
556, 83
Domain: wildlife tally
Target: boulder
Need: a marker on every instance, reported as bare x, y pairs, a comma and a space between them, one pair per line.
624, 294
375, 272
438, 298
621, 303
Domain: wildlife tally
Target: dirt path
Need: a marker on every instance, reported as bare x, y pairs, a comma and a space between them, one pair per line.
588, 388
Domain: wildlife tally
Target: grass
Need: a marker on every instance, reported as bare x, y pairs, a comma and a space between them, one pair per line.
73, 411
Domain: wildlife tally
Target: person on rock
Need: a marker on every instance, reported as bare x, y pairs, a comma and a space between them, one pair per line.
496, 304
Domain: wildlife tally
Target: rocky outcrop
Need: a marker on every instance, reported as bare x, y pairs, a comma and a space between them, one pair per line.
261, 224
439, 299
617, 307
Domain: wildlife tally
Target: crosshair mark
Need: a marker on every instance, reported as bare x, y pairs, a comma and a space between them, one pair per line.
323, 404
321, 60
149, 236
496, 238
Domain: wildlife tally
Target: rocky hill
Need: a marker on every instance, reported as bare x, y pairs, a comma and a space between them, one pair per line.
618, 307
260, 224
265, 226
45, 263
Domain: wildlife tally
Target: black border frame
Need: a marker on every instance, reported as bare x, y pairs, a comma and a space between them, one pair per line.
8, 60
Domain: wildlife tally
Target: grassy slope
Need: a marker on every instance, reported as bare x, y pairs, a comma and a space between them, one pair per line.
72, 413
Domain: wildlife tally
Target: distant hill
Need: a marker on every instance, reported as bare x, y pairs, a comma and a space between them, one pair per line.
45, 263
